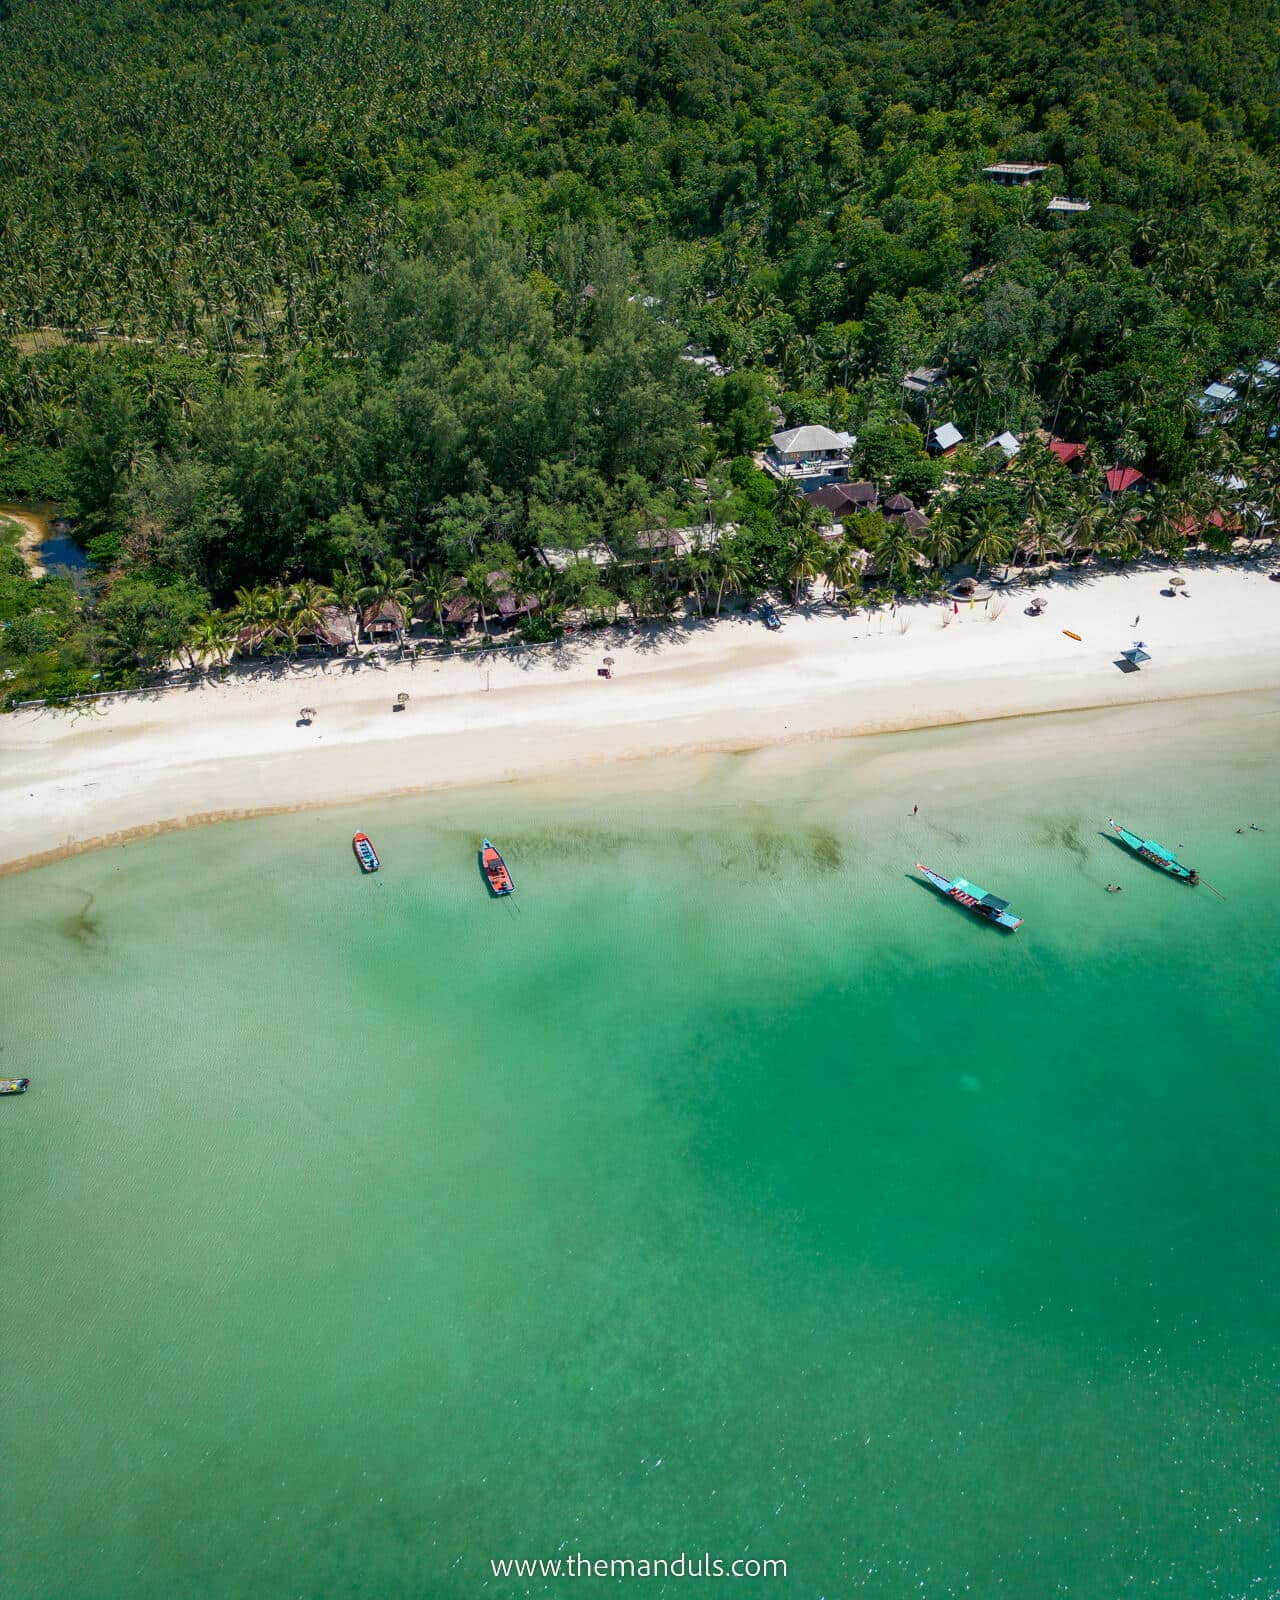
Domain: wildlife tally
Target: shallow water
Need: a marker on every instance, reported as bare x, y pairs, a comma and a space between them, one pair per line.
724, 1191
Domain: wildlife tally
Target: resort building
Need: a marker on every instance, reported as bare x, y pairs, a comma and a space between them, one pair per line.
925, 380
1008, 442
1122, 480
944, 439
707, 361
1217, 401
1070, 455
812, 455
599, 555
900, 506
1063, 205
845, 499
1015, 172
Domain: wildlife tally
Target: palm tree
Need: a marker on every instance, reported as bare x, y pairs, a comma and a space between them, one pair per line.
1068, 372
390, 585
942, 543
804, 562
895, 551
435, 590
309, 601
344, 592
844, 568
277, 615
990, 541
475, 585
211, 636
789, 504
250, 615
732, 570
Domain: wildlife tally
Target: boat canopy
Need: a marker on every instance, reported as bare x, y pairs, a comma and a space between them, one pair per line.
994, 902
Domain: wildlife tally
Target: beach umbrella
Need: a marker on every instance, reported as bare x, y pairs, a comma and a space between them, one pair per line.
402, 699
1177, 583
608, 661
1137, 655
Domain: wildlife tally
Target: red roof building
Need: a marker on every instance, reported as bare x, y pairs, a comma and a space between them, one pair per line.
1120, 479
1068, 454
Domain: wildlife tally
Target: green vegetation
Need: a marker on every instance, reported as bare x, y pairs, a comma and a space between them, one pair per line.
407, 284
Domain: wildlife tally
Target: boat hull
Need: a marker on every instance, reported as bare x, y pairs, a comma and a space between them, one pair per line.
987, 907
1154, 854
495, 870
365, 854
14, 1085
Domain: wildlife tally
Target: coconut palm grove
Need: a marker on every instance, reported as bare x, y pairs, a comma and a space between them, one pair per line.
395, 320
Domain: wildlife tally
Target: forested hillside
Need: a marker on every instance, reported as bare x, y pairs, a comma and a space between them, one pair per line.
292, 290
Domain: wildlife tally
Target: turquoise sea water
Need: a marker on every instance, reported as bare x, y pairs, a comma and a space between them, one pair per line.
726, 1191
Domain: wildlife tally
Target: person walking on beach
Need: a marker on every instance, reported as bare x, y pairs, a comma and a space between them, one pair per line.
915, 811
1136, 621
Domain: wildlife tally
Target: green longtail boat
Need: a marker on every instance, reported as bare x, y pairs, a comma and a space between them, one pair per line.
1154, 852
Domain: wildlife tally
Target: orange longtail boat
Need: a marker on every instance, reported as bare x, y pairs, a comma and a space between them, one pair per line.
495, 869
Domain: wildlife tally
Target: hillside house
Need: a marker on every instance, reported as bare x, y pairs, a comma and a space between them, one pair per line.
1122, 480
944, 440
1015, 173
812, 455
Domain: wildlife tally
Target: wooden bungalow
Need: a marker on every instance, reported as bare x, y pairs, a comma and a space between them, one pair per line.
333, 632
384, 621
509, 606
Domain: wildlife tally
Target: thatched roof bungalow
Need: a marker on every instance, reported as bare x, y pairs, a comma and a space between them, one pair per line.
385, 619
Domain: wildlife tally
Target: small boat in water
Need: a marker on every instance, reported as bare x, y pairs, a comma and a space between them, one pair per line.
983, 904
1155, 853
14, 1085
495, 869
366, 855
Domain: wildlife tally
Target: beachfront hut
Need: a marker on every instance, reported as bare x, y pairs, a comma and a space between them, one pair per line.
383, 621
508, 605
332, 632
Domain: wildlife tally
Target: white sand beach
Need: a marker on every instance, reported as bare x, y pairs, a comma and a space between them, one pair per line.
179, 757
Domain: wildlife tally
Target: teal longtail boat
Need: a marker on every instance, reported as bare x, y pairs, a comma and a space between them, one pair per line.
1155, 853
983, 904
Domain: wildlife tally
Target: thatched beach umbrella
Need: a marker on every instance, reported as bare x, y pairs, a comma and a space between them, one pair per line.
402, 699
1177, 583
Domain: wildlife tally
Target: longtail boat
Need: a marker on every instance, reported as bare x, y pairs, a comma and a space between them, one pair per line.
495, 869
14, 1085
982, 903
366, 855
1155, 853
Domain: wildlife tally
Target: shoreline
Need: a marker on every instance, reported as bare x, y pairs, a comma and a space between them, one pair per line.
71, 782
32, 537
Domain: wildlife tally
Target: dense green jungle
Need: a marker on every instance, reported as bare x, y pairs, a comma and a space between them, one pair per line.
387, 310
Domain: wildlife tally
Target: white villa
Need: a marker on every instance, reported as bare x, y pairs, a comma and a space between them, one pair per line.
812, 455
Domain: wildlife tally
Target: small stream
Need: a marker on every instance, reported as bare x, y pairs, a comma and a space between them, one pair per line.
56, 550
